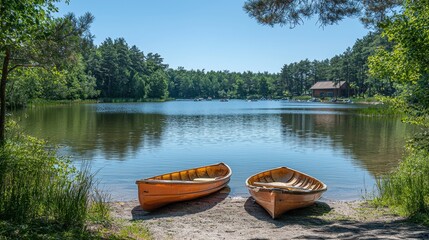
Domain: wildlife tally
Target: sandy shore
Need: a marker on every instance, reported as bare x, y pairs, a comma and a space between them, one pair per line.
221, 217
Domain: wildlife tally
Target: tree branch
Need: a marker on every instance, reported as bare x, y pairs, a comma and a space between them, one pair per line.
24, 65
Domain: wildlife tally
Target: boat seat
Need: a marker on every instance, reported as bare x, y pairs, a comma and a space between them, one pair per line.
204, 179
281, 185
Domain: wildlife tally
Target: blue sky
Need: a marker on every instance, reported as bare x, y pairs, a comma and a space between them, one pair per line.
213, 35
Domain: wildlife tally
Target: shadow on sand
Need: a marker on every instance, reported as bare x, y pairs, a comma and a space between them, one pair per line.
349, 229
312, 218
182, 208
305, 216
231, 218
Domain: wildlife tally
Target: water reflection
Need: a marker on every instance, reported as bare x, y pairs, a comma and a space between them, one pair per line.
131, 141
375, 144
88, 132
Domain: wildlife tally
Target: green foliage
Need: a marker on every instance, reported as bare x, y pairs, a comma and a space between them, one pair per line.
351, 66
119, 71
407, 63
407, 189
298, 77
125, 72
78, 84
24, 86
222, 84
157, 85
420, 140
21, 19
382, 106
302, 98
134, 231
292, 12
43, 231
31, 37
70, 83
36, 185
99, 211
379, 110
44, 102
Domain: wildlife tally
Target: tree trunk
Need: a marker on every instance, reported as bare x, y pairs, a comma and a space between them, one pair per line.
3, 96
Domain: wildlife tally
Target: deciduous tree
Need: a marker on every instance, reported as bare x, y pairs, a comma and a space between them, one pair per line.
407, 64
31, 37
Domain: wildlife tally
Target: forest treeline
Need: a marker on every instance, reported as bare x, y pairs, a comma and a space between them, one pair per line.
114, 69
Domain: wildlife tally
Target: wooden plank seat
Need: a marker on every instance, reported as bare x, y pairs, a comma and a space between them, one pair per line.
281, 185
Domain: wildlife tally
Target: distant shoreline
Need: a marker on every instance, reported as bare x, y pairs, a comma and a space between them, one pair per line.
132, 100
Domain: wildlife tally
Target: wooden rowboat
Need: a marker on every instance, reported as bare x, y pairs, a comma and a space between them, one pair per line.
282, 189
183, 185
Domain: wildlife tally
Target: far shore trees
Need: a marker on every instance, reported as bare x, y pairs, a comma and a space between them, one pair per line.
122, 71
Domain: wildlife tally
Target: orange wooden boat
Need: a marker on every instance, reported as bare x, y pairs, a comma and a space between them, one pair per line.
282, 189
183, 185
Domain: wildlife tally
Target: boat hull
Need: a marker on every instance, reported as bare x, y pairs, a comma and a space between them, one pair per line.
276, 202
179, 186
293, 190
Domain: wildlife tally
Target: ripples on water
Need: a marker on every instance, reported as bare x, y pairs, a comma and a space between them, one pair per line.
129, 141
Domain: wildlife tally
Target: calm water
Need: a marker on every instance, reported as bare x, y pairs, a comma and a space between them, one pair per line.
130, 141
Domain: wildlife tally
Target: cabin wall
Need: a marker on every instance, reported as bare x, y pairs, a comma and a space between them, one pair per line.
330, 93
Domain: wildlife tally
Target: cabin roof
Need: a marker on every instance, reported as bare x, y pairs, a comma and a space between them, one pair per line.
327, 85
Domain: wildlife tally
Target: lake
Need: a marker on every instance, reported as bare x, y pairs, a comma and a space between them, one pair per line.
129, 141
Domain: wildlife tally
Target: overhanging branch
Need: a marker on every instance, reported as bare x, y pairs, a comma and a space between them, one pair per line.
24, 65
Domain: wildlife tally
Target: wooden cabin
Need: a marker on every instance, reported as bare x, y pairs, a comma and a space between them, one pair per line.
330, 89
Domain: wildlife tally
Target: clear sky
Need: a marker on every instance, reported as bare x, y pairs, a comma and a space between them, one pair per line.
213, 35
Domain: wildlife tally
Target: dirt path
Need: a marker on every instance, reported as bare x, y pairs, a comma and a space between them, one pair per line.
222, 217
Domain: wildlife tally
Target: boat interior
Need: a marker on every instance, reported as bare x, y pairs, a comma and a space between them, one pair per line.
285, 178
202, 174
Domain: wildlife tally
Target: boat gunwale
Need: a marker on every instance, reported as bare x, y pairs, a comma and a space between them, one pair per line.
153, 181
294, 192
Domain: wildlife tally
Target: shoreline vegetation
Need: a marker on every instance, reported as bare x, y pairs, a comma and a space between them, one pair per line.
368, 100
42, 194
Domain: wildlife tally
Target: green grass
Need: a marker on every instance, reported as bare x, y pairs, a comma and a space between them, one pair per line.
117, 230
384, 107
43, 196
379, 110
42, 230
406, 190
366, 99
99, 210
133, 231
36, 184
